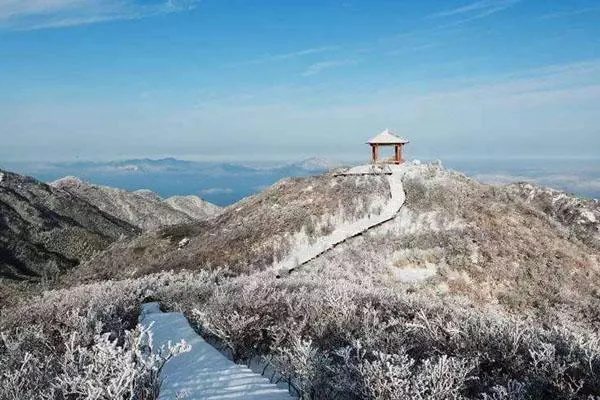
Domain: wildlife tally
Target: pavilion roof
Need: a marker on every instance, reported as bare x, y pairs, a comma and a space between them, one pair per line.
387, 137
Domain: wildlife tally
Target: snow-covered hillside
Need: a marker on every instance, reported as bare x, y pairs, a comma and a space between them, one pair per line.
194, 206
421, 225
141, 208
339, 227
260, 232
580, 216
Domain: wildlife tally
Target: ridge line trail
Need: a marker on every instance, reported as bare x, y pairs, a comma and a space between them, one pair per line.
352, 229
203, 372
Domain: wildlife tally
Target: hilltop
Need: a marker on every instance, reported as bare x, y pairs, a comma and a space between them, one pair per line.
452, 236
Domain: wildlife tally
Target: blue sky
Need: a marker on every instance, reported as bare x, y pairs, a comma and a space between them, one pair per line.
223, 79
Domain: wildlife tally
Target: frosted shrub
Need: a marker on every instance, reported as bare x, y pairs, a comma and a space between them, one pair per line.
303, 366
109, 371
83, 343
387, 376
398, 376
514, 390
329, 338
333, 338
231, 329
103, 371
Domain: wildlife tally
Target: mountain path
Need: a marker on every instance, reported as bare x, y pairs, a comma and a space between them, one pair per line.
203, 372
356, 228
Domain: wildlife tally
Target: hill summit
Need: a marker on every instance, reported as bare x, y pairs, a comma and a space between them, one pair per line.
445, 233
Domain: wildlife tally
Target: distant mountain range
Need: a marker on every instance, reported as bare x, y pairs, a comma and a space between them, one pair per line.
142, 208
218, 183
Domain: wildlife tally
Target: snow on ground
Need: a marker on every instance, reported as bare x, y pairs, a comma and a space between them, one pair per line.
306, 249
412, 274
1, 177
203, 373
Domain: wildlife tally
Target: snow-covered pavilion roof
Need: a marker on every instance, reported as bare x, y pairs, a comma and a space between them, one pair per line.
387, 137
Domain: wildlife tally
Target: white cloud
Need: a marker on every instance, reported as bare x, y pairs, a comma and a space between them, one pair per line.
42, 14
477, 10
319, 67
285, 56
571, 13
546, 111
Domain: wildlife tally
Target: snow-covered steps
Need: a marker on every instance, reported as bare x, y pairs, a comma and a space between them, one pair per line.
305, 250
202, 373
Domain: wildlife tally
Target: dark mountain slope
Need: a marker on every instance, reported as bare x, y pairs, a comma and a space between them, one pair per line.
45, 230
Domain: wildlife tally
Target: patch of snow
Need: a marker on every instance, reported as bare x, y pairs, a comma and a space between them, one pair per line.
1, 176
306, 248
409, 222
148, 194
182, 243
415, 274
68, 181
203, 372
194, 206
589, 216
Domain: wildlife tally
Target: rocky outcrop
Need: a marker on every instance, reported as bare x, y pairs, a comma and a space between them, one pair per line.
45, 230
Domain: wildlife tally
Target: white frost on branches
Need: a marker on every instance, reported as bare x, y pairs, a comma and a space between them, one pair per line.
306, 248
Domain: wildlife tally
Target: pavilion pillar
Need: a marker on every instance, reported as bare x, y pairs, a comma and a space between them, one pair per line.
397, 154
375, 153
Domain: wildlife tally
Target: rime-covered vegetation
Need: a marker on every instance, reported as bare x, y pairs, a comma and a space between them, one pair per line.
467, 239
580, 217
330, 338
471, 292
250, 235
81, 343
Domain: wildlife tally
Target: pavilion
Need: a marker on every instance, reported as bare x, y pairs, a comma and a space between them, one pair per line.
387, 138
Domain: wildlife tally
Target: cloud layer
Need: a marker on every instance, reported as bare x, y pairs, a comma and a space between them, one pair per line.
43, 14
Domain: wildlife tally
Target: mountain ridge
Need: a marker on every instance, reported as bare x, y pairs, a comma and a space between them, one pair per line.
45, 230
141, 208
